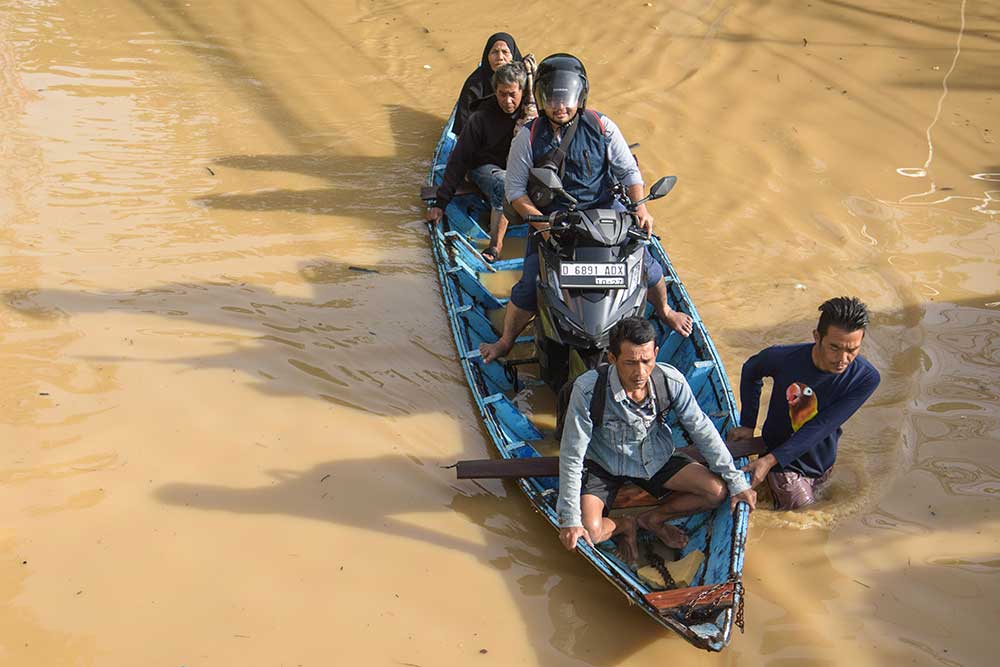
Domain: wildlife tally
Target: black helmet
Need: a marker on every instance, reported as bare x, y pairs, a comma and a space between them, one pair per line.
561, 78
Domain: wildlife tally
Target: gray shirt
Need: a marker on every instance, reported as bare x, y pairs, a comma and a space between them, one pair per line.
625, 445
520, 159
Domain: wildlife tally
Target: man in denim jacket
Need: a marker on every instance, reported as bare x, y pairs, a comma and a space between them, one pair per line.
634, 444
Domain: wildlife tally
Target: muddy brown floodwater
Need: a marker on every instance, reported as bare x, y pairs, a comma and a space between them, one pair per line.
221, 444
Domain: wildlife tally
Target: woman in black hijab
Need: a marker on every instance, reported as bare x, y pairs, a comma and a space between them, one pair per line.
500, 49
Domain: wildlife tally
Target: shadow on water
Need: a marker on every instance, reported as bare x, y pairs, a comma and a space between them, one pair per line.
359, 185
332, 343
328, 347
583, 621
230, 66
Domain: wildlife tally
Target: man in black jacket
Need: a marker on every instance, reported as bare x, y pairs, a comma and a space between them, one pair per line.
481, 152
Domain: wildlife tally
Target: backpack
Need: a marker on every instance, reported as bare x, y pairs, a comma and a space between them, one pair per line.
661, 390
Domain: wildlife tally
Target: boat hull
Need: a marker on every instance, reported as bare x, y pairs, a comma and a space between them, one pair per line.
707, 609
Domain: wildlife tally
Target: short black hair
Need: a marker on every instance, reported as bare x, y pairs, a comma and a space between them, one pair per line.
636, 330
844, 312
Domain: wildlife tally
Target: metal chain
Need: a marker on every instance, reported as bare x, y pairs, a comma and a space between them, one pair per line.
738, 590
708, 592
656, 560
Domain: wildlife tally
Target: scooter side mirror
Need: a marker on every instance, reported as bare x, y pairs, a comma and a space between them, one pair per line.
662, 187
547, 177
550, 179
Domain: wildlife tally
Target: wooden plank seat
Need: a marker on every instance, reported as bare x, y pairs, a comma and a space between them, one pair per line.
548, 466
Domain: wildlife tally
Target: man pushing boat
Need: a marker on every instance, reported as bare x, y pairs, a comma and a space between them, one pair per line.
617, 420
817, 387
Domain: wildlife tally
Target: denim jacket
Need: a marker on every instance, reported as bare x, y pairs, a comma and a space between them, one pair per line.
624, 446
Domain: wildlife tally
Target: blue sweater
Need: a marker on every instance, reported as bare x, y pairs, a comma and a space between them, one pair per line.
819, 403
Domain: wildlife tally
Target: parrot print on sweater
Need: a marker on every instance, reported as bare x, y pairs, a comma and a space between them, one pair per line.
802, 404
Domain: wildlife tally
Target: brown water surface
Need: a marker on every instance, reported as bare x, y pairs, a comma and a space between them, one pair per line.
221, 441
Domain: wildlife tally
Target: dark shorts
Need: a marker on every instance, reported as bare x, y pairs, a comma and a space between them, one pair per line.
599, 482
792, 490
524, 293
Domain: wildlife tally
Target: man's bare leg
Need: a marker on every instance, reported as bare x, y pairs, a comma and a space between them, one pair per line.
514, 321
679, 322
498, 229
603, 528
625, 538
696, 489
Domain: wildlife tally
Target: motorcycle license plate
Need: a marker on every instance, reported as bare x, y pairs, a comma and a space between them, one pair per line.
593, 275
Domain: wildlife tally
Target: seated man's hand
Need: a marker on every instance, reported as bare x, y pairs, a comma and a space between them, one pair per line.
645, 219
569, 536
740, 433
759, 468
749, 497
434, 214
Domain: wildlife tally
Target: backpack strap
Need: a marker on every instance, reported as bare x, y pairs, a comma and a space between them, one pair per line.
532, 128
600, 395
664, 399
599, 118
558, 155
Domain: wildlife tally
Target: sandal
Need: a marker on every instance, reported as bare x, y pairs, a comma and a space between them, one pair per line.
491, 254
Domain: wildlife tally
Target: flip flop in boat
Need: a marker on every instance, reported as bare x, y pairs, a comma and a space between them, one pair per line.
491, 254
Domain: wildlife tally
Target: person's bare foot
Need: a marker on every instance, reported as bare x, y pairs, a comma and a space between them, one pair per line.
671, 535
625, 538
492, 351
679, 322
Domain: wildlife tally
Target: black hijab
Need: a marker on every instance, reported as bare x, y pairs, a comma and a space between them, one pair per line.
479, 85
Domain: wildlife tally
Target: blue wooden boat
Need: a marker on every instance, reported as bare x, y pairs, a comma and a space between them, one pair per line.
703, 612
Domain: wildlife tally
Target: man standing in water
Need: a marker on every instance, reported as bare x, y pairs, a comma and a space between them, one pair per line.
817, 387
595, 156
625, 438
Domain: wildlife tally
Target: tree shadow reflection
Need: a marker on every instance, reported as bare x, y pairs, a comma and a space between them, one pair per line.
588, 619
370, 186
372, 355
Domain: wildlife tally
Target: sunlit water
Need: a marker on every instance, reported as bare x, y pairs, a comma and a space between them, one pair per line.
230, 383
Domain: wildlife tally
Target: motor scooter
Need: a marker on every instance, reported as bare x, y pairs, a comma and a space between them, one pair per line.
591, 275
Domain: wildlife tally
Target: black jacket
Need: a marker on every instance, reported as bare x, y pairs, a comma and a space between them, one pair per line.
485, 140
